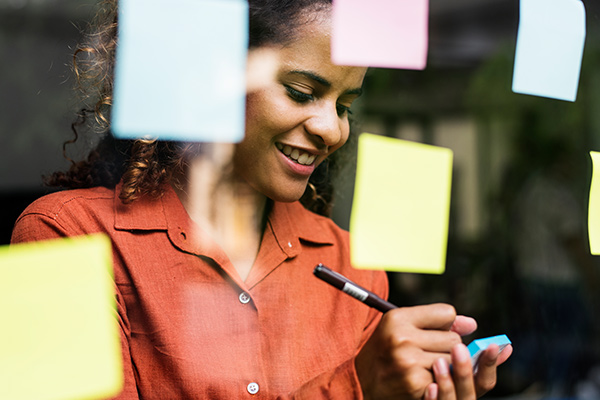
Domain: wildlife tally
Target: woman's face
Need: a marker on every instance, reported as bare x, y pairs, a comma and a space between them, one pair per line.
298, 120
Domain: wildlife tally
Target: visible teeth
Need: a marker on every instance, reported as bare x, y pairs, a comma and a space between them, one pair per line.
297, 155
302, 159
306, 159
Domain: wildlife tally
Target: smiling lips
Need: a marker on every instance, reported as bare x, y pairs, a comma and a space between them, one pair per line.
299, 156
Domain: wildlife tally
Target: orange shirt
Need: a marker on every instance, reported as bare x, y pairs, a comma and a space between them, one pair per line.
192, 329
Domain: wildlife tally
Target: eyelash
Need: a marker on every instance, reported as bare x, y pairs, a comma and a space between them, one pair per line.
301, 97
298, 96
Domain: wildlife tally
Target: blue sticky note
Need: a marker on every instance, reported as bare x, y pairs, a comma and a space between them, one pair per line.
476, 347
550, 47
180, 70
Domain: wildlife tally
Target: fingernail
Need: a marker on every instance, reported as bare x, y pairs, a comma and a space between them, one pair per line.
432, 391
497, 352
441, 367
461, 354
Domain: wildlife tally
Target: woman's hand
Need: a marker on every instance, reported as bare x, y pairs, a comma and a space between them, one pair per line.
462, 384
408, 357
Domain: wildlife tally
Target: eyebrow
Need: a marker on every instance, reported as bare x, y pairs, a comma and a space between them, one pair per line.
319, 79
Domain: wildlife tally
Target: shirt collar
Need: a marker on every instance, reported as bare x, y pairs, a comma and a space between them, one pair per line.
291, 222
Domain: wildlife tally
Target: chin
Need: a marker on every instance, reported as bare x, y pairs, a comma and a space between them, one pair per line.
285, 196
284, 199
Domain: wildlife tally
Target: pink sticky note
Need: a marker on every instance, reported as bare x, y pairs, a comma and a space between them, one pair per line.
380, 33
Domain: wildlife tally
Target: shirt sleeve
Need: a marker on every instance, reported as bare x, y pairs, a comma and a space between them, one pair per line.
342, 382
37, 226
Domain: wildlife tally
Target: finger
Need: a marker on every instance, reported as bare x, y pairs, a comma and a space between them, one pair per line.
411, 371
485, 379
435, 340
431, 393
441, 372
418, 385
407, 358
464, 325
462, 372
431, 316
504, 354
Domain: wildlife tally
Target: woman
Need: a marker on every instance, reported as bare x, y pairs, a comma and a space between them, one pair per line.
213, 253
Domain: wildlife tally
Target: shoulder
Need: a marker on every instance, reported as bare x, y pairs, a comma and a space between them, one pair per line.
64, 213
57, 203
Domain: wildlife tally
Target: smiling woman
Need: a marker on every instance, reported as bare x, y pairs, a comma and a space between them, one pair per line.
144, 166
302, 116
213, 252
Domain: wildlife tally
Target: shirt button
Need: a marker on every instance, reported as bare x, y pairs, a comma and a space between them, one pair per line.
244, 298
290, 244
252, 388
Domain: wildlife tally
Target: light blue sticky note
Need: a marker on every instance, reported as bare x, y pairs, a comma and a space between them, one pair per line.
180, 70
476, 347
550, 47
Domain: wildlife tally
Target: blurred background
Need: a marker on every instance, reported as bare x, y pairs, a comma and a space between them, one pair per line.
518, 256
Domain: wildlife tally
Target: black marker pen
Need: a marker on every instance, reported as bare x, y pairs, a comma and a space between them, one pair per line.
347, 286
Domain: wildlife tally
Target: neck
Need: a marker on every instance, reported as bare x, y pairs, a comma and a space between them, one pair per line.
226, 208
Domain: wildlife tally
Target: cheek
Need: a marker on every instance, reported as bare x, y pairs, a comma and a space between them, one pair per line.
270, 110
254, 113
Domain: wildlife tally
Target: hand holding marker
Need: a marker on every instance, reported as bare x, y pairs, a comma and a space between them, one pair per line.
371, 299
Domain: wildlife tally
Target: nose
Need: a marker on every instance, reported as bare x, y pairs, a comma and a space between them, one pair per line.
326, 125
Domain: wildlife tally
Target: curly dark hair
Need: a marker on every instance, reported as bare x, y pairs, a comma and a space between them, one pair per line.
145, 165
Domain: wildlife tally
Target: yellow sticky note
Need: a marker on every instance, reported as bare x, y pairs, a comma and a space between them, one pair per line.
400, 213
59, 336
594, 206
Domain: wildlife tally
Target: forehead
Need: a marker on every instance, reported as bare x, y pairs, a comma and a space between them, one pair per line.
311, 50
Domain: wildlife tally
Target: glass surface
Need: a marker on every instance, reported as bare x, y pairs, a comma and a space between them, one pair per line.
518, 257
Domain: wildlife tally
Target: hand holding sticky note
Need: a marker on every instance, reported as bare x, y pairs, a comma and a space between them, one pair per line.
180, 70
478, 346
380, 33
59, 336
400, 213
550, 47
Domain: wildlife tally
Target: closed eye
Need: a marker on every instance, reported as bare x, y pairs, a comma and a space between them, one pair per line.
298, 96
301, 97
